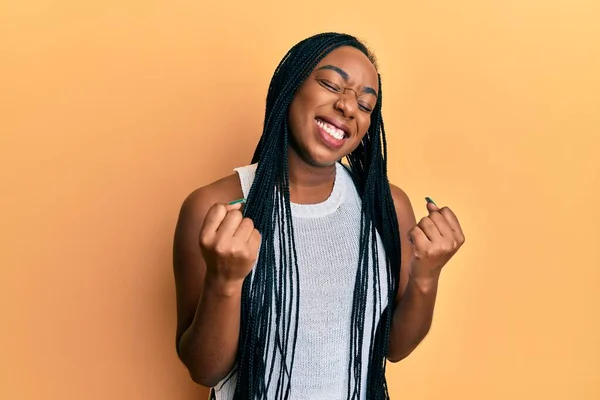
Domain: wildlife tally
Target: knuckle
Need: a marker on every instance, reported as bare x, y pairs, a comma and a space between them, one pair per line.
252, 254
222, 248
430, 251
238, 251
241, 255
205, 241
246, 254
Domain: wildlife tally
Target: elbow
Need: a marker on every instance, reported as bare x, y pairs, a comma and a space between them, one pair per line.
399, 352
396, 357
202, 376
199, 375
203, 379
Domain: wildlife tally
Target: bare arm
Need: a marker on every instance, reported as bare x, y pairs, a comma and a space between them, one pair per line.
208, 292
426, 247
414, 308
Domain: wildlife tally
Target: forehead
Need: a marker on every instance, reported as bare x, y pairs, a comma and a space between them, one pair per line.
354, 62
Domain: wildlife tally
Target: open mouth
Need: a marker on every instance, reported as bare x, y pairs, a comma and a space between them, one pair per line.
332, 130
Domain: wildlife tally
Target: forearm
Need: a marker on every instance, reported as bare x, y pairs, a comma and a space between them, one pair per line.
208, 347
412, 317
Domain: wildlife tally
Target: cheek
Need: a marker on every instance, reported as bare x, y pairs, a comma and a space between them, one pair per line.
299, 111
295, 116
363, 125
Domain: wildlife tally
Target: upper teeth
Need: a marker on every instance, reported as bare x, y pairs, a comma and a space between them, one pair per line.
332, 130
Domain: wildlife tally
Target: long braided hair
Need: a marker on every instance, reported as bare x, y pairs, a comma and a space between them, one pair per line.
274, 291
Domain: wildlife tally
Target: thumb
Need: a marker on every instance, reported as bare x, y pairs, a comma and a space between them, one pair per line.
431, 206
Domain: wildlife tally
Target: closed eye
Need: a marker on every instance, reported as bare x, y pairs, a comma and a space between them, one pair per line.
329, 86
365, 107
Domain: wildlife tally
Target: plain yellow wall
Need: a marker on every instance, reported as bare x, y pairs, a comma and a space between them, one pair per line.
113, 111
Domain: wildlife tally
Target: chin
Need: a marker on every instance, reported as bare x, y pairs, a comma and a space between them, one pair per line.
323, 158
316, 157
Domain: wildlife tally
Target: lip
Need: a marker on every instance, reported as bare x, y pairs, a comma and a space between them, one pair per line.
337, 123
328, 140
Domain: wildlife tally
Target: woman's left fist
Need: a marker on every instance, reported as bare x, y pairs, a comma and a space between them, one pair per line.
435, 238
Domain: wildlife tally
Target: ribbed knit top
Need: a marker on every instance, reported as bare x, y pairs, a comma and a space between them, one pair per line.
327, 247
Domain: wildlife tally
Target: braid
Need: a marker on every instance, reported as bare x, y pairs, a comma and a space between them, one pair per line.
269, 291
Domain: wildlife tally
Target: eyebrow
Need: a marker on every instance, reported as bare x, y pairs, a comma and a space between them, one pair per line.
345, 77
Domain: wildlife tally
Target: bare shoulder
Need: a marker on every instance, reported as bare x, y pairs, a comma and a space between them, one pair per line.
199, 201
403, 206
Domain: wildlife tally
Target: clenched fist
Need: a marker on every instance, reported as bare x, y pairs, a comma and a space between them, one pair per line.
229, 244
436, 238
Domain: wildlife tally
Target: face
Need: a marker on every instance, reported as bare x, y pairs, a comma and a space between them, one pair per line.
331, 112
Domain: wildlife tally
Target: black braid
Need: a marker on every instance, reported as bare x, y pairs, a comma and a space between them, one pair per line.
268, 205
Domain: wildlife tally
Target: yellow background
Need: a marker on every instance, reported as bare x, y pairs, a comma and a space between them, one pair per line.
113, 111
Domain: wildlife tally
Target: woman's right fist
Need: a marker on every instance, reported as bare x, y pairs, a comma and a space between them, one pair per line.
229, 243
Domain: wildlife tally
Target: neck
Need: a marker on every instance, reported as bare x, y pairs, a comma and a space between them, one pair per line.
309, 184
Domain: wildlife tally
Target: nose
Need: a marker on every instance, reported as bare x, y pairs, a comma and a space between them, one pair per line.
347, 104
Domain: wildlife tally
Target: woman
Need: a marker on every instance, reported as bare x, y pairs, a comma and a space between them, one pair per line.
299, 293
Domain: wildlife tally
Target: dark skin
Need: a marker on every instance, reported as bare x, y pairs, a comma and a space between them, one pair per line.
215, 247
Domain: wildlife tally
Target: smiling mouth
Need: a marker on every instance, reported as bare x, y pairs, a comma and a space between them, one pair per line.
333, 131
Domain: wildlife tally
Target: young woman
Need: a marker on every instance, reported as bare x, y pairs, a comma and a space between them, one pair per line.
321, 273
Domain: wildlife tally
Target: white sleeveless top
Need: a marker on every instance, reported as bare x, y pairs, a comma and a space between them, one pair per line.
327, 243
